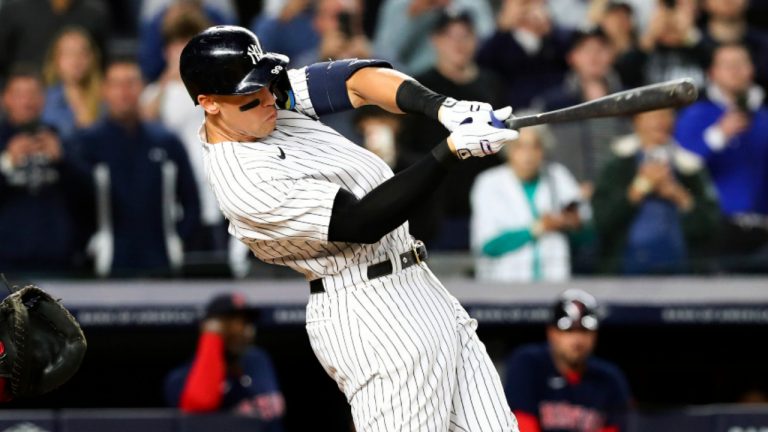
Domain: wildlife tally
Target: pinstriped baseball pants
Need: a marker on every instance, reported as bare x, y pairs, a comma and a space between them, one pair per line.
406, 355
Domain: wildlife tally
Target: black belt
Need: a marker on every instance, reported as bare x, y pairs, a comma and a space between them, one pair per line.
384, 268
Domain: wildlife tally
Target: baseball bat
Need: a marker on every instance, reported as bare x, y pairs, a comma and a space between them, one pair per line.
668, 94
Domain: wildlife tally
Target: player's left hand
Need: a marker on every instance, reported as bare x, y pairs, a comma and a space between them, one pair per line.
454, 112
479, 139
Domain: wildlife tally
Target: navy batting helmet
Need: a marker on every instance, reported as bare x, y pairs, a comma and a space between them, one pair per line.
575, 309
228, 60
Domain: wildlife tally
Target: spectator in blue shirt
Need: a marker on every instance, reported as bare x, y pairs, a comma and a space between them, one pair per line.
728, 128
73, 72
145, 191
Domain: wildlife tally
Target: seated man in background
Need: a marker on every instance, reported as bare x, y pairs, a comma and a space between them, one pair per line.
654, 204
228, 372
520, 212
559, 386
728, 128
38, 184
146, 195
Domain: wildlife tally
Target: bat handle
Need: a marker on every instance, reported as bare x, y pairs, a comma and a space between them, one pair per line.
521, 122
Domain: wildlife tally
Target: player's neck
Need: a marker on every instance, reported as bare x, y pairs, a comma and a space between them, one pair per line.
567, 369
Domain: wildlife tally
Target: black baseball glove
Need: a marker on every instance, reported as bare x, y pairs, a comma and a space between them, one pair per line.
41, 344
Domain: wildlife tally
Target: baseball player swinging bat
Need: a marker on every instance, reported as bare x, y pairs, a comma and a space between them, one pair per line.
669, 94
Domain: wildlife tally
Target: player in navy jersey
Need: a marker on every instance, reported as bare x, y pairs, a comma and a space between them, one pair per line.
227, 373
559, 386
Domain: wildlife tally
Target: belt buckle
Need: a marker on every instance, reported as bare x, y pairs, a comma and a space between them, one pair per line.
415, 249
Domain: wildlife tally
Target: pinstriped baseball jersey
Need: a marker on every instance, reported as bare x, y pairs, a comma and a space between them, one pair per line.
400, 347
277, 193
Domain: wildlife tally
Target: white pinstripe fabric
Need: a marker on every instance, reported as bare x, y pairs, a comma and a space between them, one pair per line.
281, 208
400, 347
406, 355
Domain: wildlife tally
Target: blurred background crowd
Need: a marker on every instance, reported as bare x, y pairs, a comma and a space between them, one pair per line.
101, 176
100, 170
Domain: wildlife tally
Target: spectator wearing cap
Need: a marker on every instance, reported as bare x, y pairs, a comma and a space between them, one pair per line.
227, 372
728, 128
584, 146
526, 50
521, 213
655, 206
560, 386
443, 219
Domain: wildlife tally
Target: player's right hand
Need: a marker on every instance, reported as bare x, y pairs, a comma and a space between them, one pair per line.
479, 139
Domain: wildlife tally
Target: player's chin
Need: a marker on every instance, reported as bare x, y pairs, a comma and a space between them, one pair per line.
269, 126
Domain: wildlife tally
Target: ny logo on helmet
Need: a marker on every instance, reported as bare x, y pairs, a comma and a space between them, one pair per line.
255, 52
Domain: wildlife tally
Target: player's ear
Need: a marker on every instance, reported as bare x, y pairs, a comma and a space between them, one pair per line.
208, 103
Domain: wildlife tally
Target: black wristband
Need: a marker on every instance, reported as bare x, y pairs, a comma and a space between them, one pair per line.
442, 152
414, 98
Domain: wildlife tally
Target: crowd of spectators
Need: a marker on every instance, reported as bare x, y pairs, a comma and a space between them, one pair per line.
100, 168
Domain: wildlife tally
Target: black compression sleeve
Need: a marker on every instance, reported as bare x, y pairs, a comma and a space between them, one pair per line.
387, 206
414, 98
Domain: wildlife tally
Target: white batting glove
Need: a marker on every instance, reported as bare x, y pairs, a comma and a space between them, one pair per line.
454, 112
479, 139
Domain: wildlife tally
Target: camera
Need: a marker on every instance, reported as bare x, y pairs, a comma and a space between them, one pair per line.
742, 102
31, 128
345, 24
